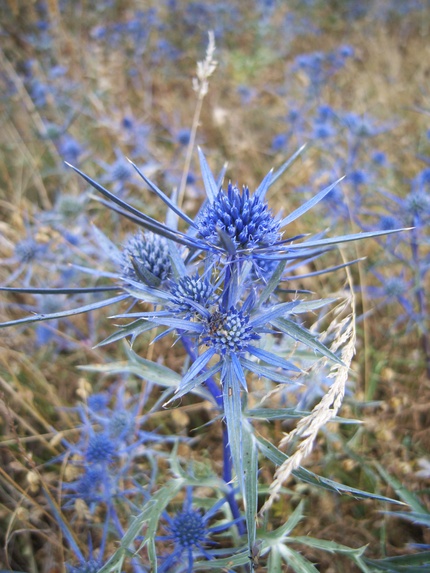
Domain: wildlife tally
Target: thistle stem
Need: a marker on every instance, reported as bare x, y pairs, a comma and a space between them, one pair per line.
213, 388
227, 477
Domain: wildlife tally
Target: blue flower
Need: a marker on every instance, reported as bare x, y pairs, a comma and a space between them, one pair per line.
120, 171
121, 424
189, 291
101, 449
106, 458
183, 136
28, 254
27, 250
362, 126
380, 158
388, 222
279, 142
70, 149
229, 332
98, 402
358, 177
146, 259
191, 534
232, 335
417, 204
394, 288
188, 528
246, 219
234, 230
92, 486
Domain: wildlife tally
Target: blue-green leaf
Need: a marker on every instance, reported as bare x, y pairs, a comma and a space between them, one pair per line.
278, 458
64, 313
309, 204
302, 335
208, 179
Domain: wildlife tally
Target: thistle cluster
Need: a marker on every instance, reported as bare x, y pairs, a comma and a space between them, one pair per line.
216, 288
109, 452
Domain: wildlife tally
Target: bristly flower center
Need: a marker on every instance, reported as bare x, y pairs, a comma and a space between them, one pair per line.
146, 259
101, 449
188, 529
247, 220
27, 250
229, 332
193, 289
395, 287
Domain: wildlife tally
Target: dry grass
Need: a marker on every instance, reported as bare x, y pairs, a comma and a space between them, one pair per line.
388, 78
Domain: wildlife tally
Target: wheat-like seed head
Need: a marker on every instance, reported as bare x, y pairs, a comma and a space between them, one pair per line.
308, 427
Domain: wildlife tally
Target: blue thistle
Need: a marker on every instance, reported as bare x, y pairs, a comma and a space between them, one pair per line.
379, 158
394, 288
89, 486
188, 529
97, 402
279, 142
233, 227
229, 332
417, 204
190, 532
28, 253
146, 259
246, 219
69, 207
27, 250
388, 222
183, 136
70, 149
120, 171
121, 424
101, 449
190, 290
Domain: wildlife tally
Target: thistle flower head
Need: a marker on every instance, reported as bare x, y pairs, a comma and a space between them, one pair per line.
395, 286
68, 206
190, 533
418, 203
101, 449
388, 222
88, 485
97, 402
120, 170
246, 219
120, 424
70, 149
146, 259
229, 331
27, 250
183, 136
358, 177
379, 158
188, 528
194, 288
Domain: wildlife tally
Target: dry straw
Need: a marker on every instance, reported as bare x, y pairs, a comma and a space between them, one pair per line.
308, 427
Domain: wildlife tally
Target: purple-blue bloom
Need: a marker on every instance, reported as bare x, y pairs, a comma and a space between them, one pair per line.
191, 533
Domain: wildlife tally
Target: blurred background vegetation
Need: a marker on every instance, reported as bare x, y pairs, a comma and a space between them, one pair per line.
92, 83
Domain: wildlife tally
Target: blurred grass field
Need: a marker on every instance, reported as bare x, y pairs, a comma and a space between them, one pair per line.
94, 83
